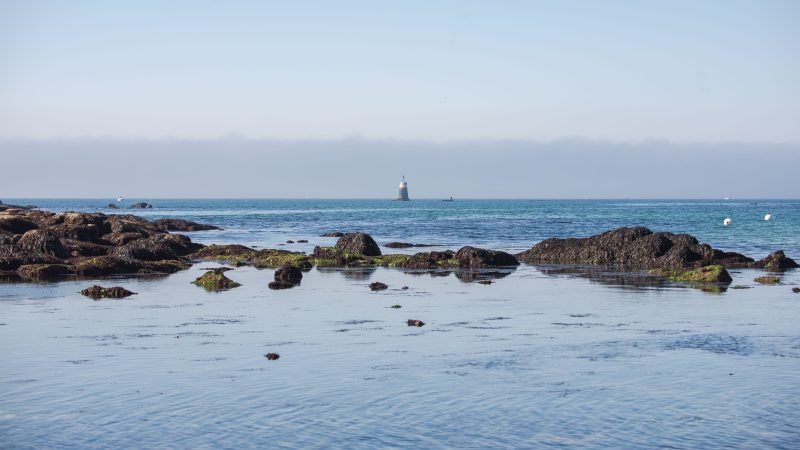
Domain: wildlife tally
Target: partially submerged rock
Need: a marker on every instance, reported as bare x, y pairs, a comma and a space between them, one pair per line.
335, 234
272, 356
777, 262
415, 323
636, 248
98, 292
240, 255
182, 225
288, 276
768, 279
706, 274
796, 290
473, 258
111, 206
378, 286
405, 245
141, 205
215, 281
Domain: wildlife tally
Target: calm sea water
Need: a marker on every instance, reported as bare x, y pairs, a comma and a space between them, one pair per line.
539, 359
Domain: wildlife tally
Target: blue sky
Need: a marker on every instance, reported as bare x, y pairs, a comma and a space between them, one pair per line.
683, 71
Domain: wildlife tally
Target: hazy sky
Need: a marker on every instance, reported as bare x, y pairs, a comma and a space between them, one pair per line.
430, 70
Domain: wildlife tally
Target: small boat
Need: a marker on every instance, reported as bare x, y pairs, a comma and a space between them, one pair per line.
119, 199
448, 199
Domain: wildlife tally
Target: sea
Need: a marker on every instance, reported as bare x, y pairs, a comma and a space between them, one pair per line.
543, 357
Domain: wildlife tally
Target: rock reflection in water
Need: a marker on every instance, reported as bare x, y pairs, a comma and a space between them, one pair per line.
626, 280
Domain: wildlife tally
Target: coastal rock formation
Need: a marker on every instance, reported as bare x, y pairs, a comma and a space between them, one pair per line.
141, 205
637, 248
475, 258
98, 292
37, 245
358, 244
239, 255
776, 262
706, 274
111, 206
182, 225
215, 280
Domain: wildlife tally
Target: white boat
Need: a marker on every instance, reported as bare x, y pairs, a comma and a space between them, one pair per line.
119, 199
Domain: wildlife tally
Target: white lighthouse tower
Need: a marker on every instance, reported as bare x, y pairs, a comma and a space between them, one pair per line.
403, 195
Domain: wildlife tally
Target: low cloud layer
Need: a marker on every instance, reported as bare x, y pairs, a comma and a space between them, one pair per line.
356, 168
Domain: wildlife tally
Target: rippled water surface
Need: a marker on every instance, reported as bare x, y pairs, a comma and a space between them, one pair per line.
543, 357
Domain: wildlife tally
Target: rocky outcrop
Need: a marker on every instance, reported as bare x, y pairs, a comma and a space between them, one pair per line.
239, 255
636, 248
358, 244
141, 205
705, 274
289, 274
405, 245
776, 262
430, 260
37, 245
767, 279
111, 206
335, 234
98, 292
182, 225
378, 286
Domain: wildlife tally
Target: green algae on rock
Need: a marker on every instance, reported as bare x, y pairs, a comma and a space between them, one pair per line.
215, 281
768, 279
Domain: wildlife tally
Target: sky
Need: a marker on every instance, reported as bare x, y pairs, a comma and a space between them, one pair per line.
501, 79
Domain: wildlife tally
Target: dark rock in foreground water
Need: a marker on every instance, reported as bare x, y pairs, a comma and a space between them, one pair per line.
281, 285
111, 206
98, 292
358, 244
378, 286
335, 234
473, 258
415, 323
632, 248
796, 290
141, 205
289, 274
272, 356
777, 262
707, 274
405, 245
182, 225
215, 281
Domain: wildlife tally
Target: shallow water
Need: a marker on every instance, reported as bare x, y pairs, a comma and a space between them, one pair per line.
538, 359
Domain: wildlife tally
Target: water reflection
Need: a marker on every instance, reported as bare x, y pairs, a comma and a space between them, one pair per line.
608, 276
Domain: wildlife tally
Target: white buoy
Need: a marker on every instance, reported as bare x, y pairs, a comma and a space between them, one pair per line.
768, 217
727, 221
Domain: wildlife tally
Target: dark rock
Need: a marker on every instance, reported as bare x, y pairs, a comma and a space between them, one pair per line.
415, 323
216, 269
215, 281
111, 206
485, 281
378, 286
141, 205
16, 225
405, 288
358, 244
272, 356
706, 274
157, 247
182, 225
281, 285
796, 290
290, 241
289, 274
777, 262
42, 271
472, 257
395, 306
632, 248
302, 241
98, 292
43, 242
335, 234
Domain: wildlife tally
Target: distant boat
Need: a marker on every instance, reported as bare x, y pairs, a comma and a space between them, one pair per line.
119, 199
448, 199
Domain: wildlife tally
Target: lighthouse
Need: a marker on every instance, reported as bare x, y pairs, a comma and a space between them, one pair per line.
403, 195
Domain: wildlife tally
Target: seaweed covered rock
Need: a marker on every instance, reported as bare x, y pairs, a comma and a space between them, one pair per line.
358, 244
98, 292
430, 260
240, 255
215, 280
777, 262
632, 248
182, 225
705, 274
768, 279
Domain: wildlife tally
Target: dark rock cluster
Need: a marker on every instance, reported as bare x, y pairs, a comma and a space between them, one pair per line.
288, 276
182, 225
98, 292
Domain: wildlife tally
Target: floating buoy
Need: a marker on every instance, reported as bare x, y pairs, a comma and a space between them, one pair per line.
727, 221
768, 217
